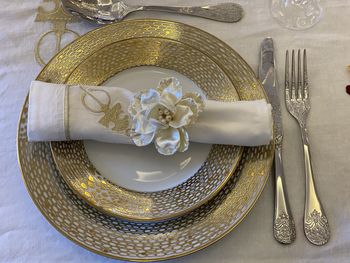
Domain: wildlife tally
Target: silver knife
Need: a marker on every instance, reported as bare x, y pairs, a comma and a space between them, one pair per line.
283, 224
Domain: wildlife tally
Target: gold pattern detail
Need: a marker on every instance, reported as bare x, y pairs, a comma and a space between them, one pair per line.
114, 114
59, 18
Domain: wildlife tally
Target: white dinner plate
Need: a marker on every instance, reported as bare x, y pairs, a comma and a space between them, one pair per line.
144, 169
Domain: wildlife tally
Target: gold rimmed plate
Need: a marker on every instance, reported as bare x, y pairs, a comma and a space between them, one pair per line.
186, 180
140, 241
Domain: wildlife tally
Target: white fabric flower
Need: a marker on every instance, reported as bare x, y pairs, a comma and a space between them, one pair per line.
162, 115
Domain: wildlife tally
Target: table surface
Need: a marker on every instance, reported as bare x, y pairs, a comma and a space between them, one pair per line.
25, 236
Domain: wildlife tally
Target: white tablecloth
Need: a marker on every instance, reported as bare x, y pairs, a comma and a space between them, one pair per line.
25, 236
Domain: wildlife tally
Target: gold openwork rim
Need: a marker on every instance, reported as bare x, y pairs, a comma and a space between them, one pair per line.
154, 219
264, 177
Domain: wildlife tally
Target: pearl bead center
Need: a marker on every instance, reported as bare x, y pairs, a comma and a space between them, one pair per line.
165, 116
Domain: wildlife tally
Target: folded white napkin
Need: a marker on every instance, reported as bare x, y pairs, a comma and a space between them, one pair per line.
58, 112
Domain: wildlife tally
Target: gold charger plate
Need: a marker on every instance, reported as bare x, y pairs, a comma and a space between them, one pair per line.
139, 241
110, 58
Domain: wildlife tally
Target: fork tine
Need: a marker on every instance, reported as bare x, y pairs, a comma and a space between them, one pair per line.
286, 77
293, 76
299, 81
305, 80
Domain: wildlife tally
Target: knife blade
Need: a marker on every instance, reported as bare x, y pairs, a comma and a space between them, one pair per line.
267, 75
283, 225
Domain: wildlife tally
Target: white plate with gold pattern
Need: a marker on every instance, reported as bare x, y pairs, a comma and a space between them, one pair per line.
139, 183
139, 241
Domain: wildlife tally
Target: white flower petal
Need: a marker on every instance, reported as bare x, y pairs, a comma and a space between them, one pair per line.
172, 93
184, 140
163, 83
149, 99
158, 124
142, 139
167, 141
141, 124
174, 88
182, 117
197, 99
189, 102
168, 101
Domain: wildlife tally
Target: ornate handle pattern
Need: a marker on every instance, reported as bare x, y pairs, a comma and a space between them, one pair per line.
226, 12
283, 225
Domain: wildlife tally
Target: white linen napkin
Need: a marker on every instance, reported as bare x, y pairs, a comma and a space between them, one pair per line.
58, 112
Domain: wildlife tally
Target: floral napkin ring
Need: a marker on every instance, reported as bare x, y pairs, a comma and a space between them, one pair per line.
162, 115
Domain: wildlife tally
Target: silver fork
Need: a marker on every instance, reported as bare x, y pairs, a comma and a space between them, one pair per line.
316, 226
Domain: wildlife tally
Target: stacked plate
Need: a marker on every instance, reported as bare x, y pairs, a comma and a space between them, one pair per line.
131, 203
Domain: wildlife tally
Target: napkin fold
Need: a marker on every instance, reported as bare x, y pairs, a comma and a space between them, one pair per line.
59, 112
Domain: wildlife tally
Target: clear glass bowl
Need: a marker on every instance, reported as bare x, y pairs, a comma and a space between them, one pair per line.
296, 14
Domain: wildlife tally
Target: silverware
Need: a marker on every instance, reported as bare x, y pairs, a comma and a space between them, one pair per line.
283, 225
316, 226
105, 12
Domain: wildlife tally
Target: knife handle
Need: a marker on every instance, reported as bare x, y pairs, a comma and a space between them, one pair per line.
283, 225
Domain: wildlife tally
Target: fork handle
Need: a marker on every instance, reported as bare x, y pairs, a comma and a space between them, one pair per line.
225, 12
316, 225
283, 225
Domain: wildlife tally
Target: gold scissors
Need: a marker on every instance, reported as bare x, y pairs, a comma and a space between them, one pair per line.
59, 18
104, 107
